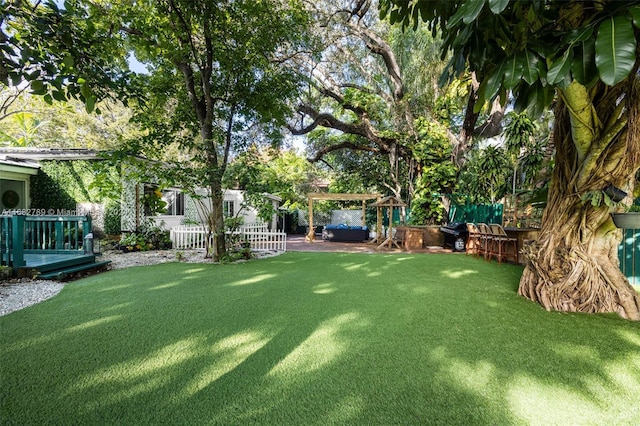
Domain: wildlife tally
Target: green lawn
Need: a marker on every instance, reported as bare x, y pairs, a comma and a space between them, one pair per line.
314, 338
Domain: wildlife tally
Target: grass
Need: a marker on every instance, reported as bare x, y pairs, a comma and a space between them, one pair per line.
314, 338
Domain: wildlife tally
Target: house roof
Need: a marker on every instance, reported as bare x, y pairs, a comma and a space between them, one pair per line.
17, 165
10, 162
38, 154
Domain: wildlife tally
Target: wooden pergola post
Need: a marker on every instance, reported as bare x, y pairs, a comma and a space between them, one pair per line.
391, 203
311, 235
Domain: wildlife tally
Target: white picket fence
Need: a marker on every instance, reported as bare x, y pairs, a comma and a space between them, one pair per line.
188, 237
260, 238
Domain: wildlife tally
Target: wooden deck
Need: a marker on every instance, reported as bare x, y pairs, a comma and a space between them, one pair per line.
46, 260
48, 246
57, 265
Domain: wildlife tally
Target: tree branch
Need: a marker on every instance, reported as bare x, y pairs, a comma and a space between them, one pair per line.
342, 145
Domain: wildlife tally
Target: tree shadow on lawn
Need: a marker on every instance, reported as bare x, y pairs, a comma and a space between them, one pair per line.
313, 339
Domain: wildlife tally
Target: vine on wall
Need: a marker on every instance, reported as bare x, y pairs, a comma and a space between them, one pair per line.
62, 185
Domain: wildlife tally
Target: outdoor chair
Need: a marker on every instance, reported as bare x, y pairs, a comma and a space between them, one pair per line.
502, 243
400, 236
486, 241
474, 243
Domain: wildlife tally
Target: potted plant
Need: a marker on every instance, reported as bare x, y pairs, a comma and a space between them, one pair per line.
629, 219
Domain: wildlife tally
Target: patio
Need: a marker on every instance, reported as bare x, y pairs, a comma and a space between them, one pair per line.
296, 242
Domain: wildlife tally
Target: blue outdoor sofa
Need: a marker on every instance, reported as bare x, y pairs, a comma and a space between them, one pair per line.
345, 233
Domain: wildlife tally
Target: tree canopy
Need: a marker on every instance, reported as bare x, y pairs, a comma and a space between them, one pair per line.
583, 57
529, 48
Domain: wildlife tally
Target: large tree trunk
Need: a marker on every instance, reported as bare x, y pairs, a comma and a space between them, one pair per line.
213, 173
573, 266
216, 223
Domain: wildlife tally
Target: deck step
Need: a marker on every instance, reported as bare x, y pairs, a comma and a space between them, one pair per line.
70, 262
61, 273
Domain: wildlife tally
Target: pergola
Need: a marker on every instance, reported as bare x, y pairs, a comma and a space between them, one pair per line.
321, 196
390, 202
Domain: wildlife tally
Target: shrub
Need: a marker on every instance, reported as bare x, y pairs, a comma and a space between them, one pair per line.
148, 237
6, 272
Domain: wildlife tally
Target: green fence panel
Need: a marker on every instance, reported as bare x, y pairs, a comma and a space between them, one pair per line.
477, 213
629, 255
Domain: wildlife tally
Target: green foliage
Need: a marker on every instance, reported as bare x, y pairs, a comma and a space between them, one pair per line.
152, 202
233, 223
64, 52
484, 177
439, 174
63, 184
6, 272
26, 126
47, 192
148, 236
238, 249
112, 218
597, 199
279, 172
28, 121
512, 47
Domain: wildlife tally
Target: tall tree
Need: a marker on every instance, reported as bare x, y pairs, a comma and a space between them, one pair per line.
215, 69
368, 94
63, 51
583, 54
355, 88
217, 81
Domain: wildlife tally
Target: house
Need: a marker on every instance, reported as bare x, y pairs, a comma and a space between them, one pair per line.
52, 181
15, 183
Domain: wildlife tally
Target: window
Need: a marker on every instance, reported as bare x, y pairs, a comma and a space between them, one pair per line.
228, 208
175, 202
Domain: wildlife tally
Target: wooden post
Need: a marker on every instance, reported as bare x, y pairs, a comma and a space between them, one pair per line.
311, 235
390, 236
59, 226
17, 231
379, 225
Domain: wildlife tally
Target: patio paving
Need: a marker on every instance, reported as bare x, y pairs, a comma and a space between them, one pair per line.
297, 242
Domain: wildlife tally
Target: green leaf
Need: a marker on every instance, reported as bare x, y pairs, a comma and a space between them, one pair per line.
59, 95
33, 76
68, 61
498, 6
538, 99
473, 9
530, 67
615, 49
494, 82
37, 87
560, 68
90, 104
583, 67
578, 35
635, 14
467, 13
16, 79
513, 72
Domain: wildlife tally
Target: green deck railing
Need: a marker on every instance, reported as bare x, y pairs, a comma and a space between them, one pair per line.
20, 235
